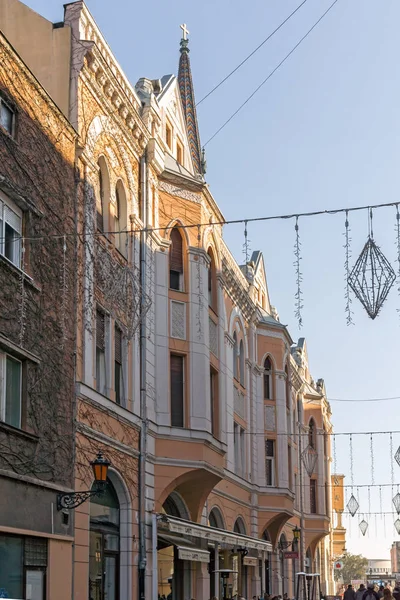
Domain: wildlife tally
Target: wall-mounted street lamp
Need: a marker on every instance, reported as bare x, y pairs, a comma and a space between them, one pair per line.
73, 499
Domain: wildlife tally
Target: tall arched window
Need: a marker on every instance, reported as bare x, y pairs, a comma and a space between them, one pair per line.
235, 355
176, 260
267, 379
104, 544
102, 195
120, 219
311, 433
239, 526
215, 519
212, 283
241, 363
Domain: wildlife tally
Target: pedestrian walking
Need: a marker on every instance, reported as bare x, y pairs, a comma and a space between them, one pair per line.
387, 594
349, 593
360, 592
370, 594
396, 591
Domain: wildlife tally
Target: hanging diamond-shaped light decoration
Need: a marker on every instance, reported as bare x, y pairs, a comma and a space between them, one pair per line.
397, 525
371, 278
397, 456
352, 505
396, 502
363, 526
309, 457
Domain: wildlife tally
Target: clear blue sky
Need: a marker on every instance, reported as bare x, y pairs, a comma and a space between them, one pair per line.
323, 133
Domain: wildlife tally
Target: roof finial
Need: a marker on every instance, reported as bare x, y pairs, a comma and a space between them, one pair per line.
185, 39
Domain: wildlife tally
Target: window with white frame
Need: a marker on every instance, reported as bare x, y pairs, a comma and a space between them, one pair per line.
10, 230
118, 366
7, 117
270, 462
10, 390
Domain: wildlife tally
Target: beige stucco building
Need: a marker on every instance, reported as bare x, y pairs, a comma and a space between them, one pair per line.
185, 377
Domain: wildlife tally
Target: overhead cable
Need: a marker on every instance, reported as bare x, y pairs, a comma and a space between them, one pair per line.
271, 73
251, 53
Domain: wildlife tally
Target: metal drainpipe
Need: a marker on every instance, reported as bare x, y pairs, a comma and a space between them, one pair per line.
143, 407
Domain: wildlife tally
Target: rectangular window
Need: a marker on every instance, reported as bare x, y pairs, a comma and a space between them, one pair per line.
242, 453
118, 370
168, 135
214, 402
177, 390
179, 152
100, 352
313, 496
10, 390
270, 462
23, 567
236, 442
7, 117
10, 230
290, 466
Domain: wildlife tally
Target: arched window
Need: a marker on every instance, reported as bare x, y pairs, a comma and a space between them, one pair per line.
235, 355
311, 433
212, 283
120, 219
215, 519
102, 195
175, 506
267, 379
104, 544
176, 260
241, 362
239, 526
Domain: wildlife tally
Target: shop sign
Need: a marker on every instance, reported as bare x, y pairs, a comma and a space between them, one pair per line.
290, 555
193, 555
250, 561
338, 565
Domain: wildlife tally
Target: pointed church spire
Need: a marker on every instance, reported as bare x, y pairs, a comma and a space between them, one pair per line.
188, 102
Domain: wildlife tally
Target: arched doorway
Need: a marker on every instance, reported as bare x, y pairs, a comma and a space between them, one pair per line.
284, 578
174, 574
240, 580
104, 546
217, 556
267, 566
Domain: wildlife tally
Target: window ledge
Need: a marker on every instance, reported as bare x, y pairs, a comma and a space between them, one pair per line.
16, 350
19, 272
20, 432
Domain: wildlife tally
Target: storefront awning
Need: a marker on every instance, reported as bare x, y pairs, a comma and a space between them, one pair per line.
187, 528
193, 554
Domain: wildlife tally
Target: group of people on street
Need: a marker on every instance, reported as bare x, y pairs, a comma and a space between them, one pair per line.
370, 593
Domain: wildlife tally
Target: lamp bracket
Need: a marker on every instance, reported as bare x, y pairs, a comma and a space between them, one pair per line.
73, 499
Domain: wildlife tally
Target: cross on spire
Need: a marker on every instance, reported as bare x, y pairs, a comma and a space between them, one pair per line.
185, 31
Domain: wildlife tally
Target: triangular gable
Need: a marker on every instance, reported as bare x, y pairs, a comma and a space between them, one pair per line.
260, 276
170, 103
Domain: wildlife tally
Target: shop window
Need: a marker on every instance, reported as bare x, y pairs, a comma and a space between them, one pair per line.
267, 379
104, 545
176, 260
10, 390
23, 564
118, 367
177, 390
101, 379
10, 230
270, 462
7, 117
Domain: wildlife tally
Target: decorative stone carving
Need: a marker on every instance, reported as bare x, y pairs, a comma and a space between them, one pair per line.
269, 418
101, 77
178, 319
213, 336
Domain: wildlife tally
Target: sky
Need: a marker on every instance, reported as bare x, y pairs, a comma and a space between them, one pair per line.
323, 133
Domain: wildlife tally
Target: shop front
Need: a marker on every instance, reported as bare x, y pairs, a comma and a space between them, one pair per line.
188, 559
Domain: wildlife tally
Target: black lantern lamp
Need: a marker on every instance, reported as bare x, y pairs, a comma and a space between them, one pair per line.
73, 499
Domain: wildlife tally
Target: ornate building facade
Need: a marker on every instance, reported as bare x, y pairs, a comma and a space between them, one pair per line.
185, 377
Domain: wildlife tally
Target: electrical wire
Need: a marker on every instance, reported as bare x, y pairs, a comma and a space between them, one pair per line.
365, 400
251, 54
271, 73
333, 211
